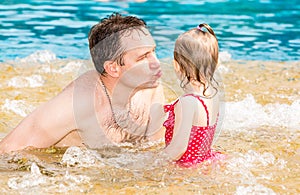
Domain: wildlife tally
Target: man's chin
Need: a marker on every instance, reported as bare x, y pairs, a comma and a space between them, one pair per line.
150, 84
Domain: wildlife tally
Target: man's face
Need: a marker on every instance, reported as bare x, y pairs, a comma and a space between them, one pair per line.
141, 67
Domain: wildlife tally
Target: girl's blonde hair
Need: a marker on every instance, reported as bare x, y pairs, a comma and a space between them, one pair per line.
197, 51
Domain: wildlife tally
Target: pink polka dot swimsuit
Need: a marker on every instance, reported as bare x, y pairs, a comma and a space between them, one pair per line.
201, 137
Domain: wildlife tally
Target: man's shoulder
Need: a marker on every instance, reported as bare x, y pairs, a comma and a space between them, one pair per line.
91, 74
87, 78
85, 85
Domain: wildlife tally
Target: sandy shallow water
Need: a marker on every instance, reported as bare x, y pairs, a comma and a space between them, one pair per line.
260, 134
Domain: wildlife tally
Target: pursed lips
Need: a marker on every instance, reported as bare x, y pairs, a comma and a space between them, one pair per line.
158, 74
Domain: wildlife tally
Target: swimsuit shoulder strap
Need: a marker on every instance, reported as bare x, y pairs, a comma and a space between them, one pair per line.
170, 107
204, 105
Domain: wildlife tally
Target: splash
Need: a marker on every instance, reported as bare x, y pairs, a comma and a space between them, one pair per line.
248, 114
30, 81
254, 189
19, 107
242, 167
81, 157
41, 56
224, 56
35, 178
36, 183
69, 67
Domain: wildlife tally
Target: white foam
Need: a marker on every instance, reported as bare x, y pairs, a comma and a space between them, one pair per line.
248, 114
41, 56
81, 157
36, 183
223, 69
254, 189
71, 67
136, 161
31, 81
35, 178
224, 56
240, 166
252, 159
19, 107
127, 159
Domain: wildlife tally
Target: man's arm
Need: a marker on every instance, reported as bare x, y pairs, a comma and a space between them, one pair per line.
45, 126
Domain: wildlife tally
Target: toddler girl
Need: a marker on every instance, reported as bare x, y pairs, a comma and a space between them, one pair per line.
193, 117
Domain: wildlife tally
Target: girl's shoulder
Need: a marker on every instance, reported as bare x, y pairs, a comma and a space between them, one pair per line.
196, 100
191, 101
190, 97
187, 100
181, 101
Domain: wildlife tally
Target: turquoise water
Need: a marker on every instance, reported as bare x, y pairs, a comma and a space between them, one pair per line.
248, 30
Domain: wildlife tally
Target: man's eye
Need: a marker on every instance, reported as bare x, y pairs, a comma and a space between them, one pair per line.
142, 57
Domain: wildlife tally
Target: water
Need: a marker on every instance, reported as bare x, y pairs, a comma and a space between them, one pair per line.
249, 30
260, 135
44, 46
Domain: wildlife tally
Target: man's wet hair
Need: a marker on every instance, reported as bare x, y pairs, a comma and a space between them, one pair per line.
105, 38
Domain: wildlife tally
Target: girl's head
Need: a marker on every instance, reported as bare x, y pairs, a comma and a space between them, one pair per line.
196, 55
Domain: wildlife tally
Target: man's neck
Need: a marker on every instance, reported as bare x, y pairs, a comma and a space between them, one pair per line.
119, 94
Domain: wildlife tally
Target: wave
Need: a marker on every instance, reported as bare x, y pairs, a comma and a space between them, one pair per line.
47, 56
40, 56
248, 114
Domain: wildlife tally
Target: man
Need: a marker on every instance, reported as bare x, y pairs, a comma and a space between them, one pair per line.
120, 101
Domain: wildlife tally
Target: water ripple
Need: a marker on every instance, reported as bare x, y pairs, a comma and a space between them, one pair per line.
249, 30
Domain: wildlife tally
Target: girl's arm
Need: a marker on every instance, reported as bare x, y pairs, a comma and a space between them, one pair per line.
184, 115
155, 129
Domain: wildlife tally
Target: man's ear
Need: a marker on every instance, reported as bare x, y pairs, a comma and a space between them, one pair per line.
112, 68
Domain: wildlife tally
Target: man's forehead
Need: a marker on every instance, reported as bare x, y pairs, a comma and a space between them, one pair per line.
137, 38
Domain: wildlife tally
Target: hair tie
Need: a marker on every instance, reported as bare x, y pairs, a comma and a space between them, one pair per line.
199, 28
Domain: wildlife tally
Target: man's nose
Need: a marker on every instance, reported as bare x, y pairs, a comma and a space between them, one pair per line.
153, 62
